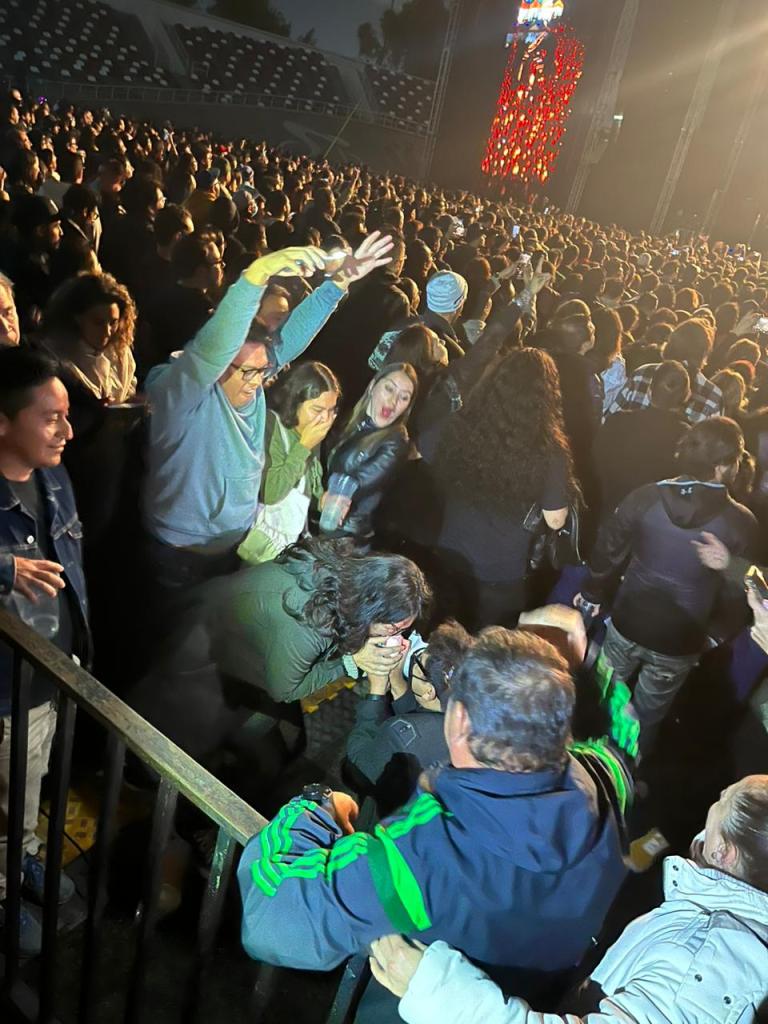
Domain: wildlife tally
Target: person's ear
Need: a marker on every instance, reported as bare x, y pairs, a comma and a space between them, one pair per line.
726, 857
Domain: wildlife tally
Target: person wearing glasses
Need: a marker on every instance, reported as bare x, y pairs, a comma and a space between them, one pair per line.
206, 434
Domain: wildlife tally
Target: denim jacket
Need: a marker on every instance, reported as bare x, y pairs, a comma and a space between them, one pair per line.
18, 537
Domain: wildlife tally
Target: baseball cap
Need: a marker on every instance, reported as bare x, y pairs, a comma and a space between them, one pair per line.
205, 179
30, 212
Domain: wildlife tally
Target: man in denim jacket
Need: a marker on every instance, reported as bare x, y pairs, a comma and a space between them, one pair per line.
41, 581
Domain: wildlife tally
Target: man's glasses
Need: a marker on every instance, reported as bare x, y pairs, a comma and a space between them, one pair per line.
250, 373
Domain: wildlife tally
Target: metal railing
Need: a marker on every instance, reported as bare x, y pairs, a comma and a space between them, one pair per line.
111, 93
178, 774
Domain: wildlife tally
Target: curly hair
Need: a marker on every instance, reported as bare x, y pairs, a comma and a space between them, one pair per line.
84, 292
351, 590
498, 449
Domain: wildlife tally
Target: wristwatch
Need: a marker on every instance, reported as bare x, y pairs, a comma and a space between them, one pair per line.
318, 793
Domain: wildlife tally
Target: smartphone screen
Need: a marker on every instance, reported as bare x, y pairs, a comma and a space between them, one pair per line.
516, 231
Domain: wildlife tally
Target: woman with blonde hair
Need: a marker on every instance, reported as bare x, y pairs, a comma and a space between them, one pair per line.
372, 446
89, 327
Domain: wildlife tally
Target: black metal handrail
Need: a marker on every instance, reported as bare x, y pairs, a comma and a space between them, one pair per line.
126, 730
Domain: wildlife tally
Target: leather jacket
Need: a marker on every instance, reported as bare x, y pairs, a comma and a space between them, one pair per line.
372, 456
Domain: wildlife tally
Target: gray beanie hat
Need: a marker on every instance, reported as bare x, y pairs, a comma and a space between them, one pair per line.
446, 291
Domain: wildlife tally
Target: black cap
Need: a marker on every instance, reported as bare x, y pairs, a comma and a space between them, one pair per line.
30, 212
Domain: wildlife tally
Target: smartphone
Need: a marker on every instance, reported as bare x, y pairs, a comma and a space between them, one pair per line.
762, 325
525, 258
516, 231
674, 252
754, 581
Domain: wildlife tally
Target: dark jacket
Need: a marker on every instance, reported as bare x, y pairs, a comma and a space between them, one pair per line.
667, 596
448, 334
518, 870
372, 457
374, 307
635, 448
18, 537
392, 741
582, 407
127, 246
256, 639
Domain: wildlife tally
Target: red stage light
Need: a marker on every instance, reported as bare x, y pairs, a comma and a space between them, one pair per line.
542, 73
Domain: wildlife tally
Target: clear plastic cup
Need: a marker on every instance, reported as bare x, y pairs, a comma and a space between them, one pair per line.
341, 490
42, 615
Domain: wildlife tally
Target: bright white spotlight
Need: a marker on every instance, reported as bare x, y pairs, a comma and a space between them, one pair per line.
535, 12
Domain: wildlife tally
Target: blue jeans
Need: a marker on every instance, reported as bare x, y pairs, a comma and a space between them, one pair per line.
660, 676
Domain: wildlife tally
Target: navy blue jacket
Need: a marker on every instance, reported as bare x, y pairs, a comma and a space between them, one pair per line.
18, 537
666, 598
516, 870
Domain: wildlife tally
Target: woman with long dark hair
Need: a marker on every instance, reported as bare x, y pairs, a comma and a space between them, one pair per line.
321, 610
372, 445
302, 409
498, 464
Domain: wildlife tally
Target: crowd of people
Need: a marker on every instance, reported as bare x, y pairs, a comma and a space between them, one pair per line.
506, 468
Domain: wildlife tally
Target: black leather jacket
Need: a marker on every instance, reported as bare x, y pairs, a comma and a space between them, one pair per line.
372, 456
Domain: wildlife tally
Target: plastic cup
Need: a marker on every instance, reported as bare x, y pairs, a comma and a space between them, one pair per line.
341, 489
42, 615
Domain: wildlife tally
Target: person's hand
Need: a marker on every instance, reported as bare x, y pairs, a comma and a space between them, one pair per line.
377, 658
712, 552
747, 323
535, 280
315, 431
394, 961
557, 616
344, 811
295, 261
759, 631
35, 577
373, 253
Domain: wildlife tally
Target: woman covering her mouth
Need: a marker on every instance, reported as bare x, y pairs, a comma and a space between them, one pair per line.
374, 444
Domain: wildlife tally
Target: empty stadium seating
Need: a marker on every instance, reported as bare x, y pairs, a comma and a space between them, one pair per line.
229, 62
399, 95
85, 41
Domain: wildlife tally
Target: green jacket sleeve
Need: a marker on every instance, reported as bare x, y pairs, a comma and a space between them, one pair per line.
295, 661
284, 467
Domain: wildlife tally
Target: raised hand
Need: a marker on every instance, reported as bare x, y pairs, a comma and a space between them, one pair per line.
374, 252
296, 261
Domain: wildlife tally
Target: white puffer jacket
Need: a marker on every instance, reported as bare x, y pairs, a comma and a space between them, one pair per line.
700, 958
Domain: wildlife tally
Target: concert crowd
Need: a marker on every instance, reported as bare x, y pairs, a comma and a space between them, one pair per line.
268, 422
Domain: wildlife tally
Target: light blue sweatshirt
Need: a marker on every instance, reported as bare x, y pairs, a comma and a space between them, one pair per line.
206, 457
